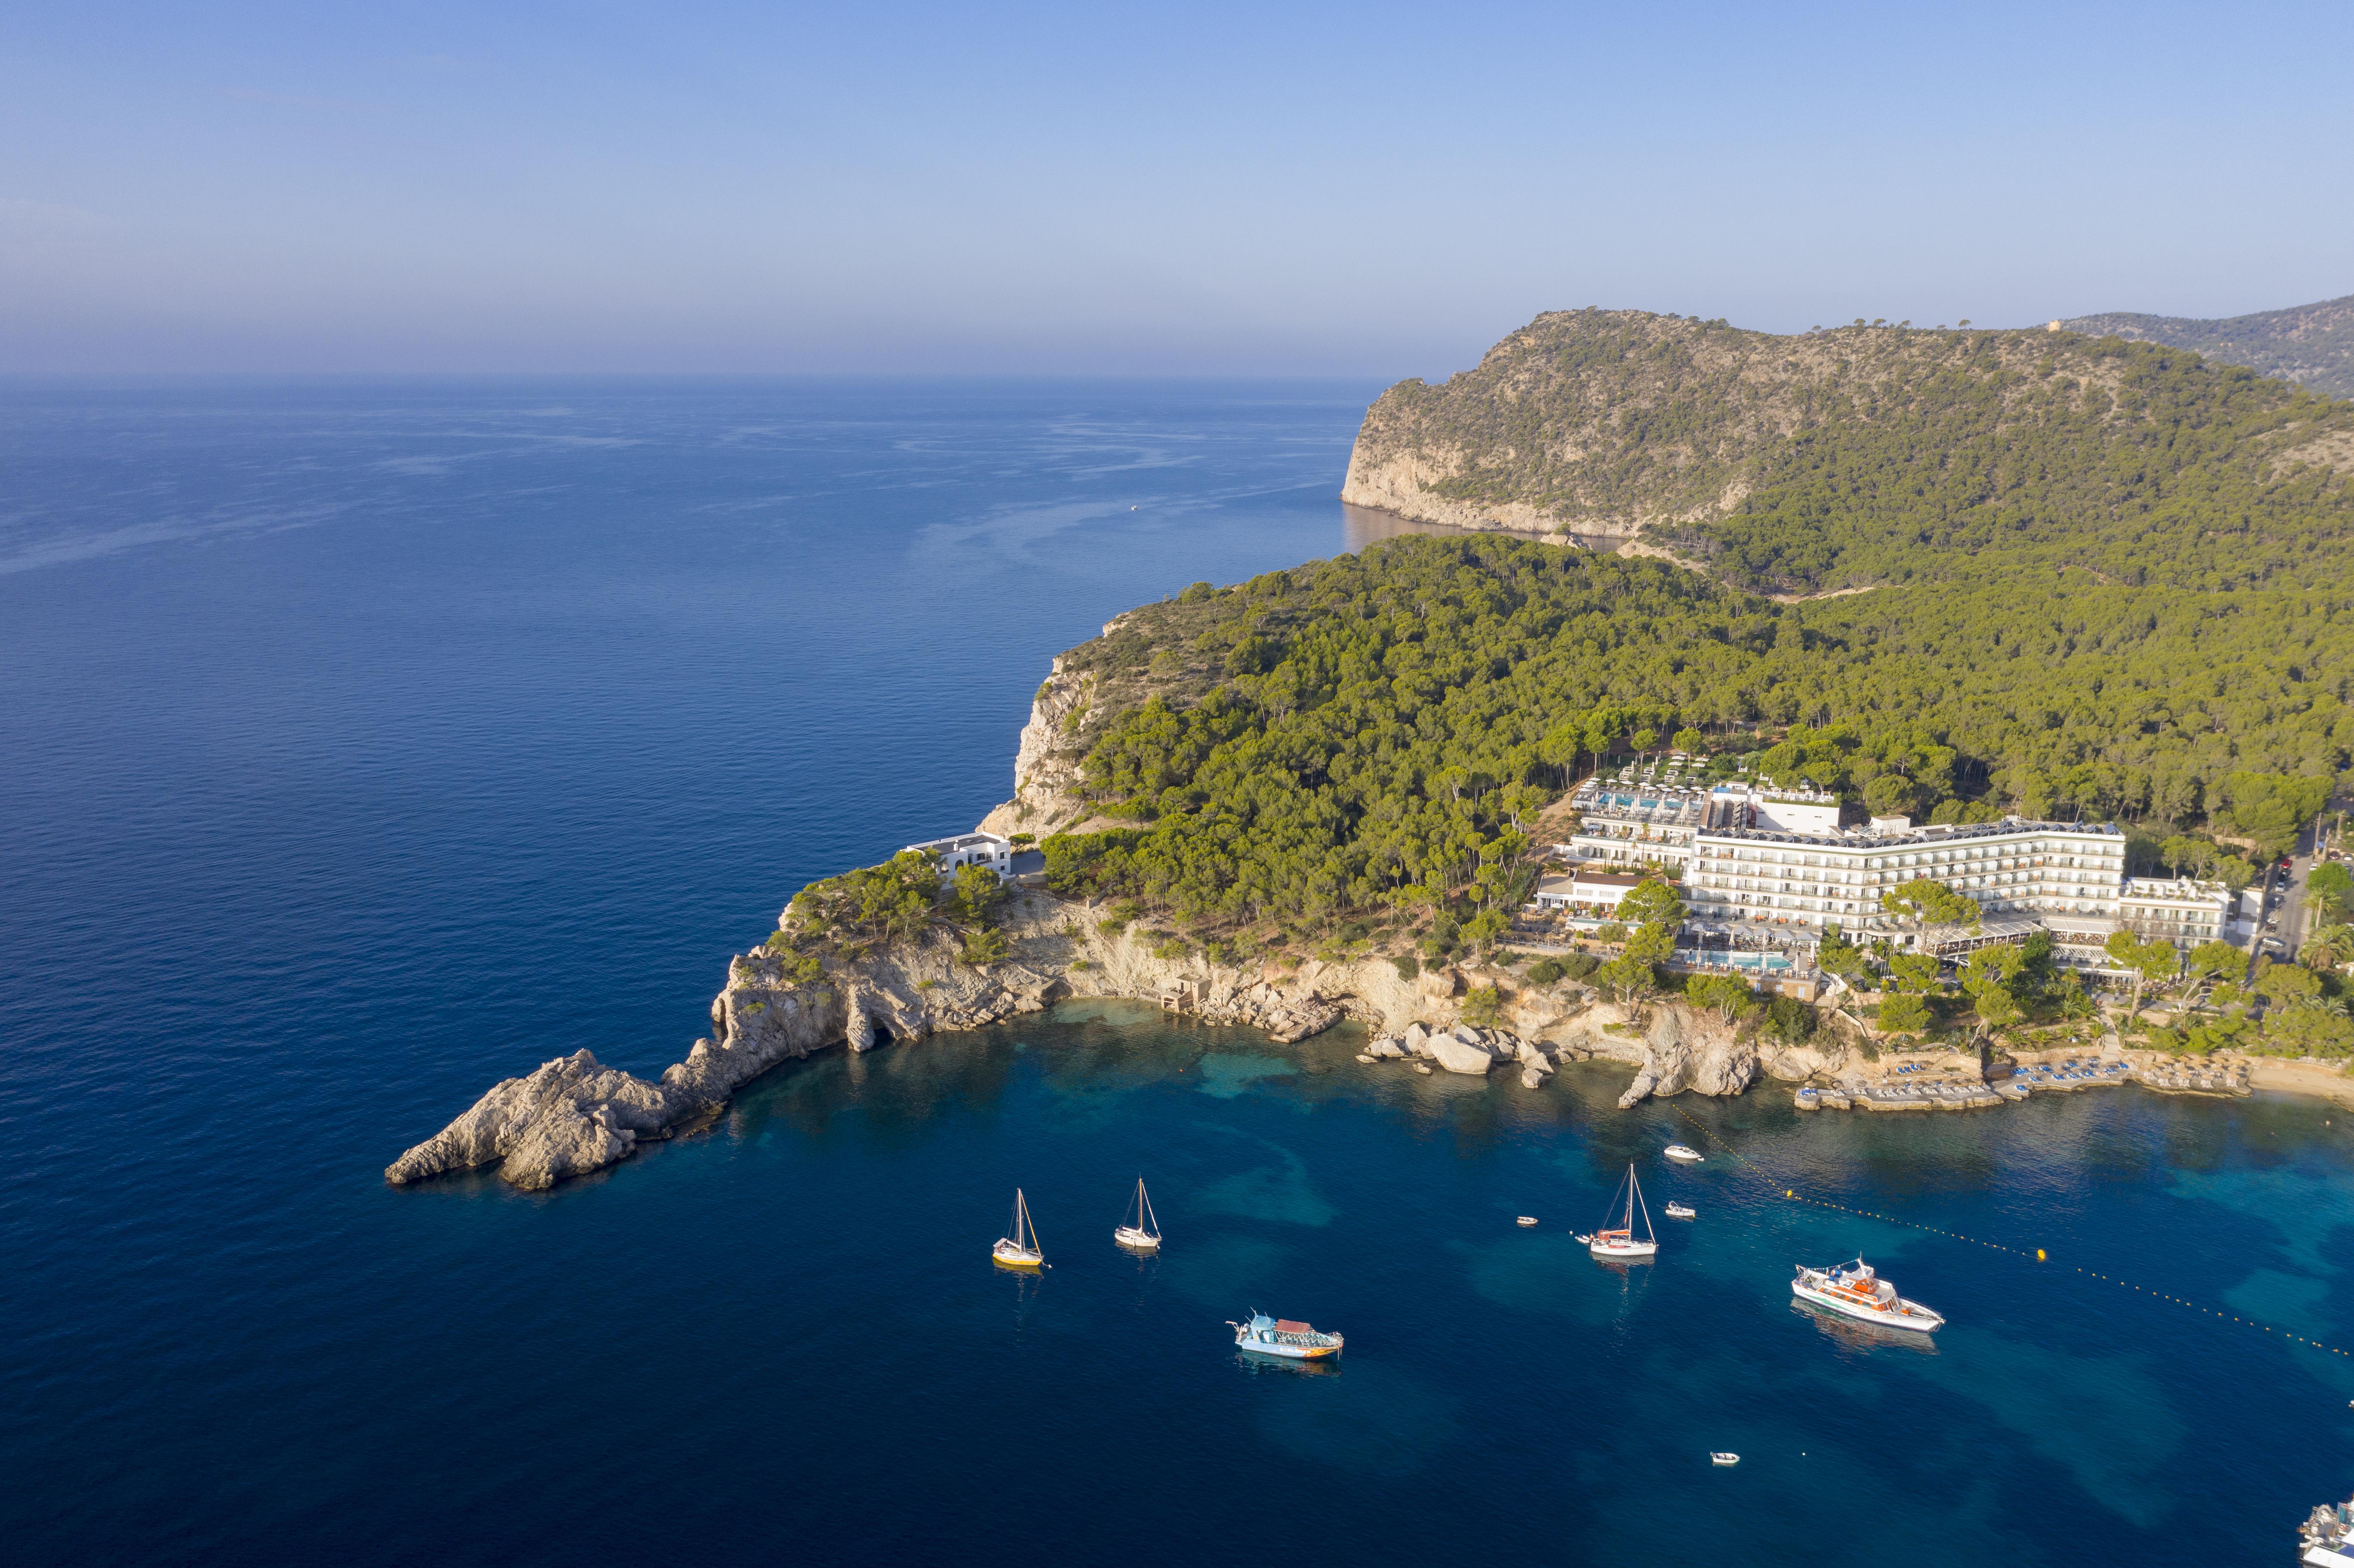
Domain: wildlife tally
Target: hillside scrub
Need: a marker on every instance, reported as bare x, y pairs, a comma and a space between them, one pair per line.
1403, 713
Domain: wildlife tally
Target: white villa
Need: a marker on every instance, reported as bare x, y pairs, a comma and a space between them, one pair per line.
1585, 889
970, 849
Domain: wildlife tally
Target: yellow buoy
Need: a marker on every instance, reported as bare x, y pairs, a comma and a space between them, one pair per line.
2038, 1255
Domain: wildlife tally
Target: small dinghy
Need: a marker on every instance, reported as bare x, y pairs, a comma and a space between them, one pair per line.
1020, 1250
1716, 1458
1139, 1229
1527, 1220
1622, 1241
1689, 1156
1680, 1210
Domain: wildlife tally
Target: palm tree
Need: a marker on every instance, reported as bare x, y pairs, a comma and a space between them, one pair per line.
2330, 947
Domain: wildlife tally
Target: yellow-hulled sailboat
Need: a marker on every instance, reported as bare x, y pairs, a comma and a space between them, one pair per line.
1020, 1250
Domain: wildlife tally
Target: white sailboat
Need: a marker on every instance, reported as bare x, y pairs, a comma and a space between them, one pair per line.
1139, 1227
1621, 1241
1020, 1250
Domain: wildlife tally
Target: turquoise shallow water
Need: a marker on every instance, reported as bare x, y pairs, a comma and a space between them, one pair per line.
368, 743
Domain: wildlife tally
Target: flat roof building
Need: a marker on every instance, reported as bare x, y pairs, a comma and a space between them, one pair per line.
970, 849
2181, 910
1803, 881
1585, 889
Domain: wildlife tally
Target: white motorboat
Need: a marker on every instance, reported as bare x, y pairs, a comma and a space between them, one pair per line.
1139, 1229
1716, 1458
1268, 1336
1680, 1211
1526, 1220
1621, 1240
2328, 1536
1855, 1289
1689, 1156
1020, 1250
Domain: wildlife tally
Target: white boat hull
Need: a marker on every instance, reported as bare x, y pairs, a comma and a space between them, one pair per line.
1905, 1314
1142, 1240
1623, 1249
1288, 1346
1288, 1353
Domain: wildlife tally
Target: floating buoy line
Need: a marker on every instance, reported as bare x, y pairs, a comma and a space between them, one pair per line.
2034, 1254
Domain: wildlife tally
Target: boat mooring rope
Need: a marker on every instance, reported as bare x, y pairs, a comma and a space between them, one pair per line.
2035, 1254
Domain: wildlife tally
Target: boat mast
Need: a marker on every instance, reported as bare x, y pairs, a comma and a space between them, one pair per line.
1144, 1204
1637, 1198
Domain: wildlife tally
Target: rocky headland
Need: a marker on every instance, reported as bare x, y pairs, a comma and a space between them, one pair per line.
1604, 428
574, 1115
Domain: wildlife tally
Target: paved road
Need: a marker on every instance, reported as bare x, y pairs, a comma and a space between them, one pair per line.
2291, 912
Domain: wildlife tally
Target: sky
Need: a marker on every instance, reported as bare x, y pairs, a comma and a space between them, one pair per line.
1199, 189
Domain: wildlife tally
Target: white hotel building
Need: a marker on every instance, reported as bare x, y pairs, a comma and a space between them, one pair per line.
1772, 864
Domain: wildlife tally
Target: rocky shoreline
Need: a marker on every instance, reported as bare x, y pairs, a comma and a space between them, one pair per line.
573, 1115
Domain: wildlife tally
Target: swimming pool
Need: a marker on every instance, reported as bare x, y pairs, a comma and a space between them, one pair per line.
1766, 963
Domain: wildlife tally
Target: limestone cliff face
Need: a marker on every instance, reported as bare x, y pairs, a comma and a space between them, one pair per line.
1047, 765
1391, 478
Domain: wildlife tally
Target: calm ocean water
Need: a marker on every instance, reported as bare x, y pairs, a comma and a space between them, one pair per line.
368, 743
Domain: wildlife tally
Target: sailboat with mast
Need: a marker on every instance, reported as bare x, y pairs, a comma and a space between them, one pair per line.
1021, 1249
1139, 1229
1620, 1241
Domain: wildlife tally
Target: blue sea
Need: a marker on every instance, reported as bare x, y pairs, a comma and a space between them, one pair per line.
366, 742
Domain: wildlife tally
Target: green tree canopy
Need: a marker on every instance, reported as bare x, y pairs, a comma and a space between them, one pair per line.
1651, 902
1930, 902
1903, 1012
1730, 995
